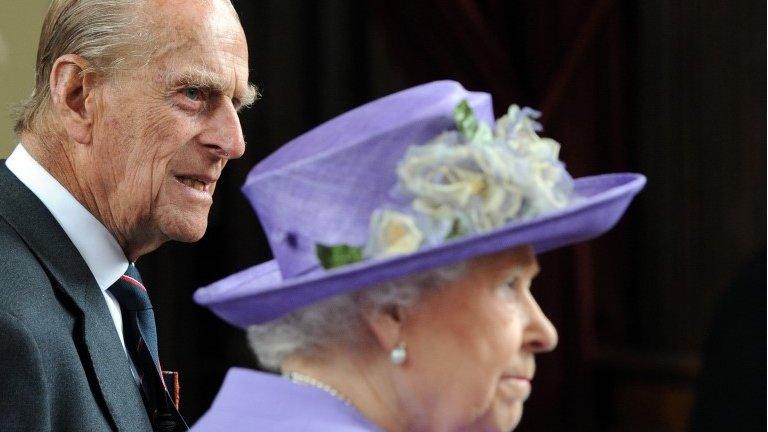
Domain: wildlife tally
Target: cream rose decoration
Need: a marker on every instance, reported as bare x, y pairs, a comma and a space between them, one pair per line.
392, 233
469, 180
482, 181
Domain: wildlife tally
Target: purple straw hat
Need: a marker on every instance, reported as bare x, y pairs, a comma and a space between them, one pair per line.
323, 187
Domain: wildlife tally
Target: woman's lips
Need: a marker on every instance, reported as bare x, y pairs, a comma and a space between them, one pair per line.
515, 387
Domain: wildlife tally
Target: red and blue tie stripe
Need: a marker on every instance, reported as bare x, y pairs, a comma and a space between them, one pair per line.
141, 343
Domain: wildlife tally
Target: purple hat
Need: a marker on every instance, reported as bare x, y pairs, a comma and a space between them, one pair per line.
323, 187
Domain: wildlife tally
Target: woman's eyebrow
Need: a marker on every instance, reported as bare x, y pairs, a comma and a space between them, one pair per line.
513, 273
528, 270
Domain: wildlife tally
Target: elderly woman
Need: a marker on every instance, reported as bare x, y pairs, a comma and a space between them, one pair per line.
405, 235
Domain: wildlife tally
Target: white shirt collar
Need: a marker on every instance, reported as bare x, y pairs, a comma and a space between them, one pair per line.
96, 245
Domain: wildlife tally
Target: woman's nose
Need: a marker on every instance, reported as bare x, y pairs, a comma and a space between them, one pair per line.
540, 335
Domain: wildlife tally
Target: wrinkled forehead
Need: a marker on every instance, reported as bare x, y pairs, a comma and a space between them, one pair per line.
196, 25
164, 10
200, 36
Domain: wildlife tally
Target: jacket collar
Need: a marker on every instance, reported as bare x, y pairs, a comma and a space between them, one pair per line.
95, 244
109, 367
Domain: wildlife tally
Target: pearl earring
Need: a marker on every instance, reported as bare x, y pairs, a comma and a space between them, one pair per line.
398, 355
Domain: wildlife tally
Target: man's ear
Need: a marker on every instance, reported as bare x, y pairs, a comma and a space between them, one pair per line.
72, 96
386, 326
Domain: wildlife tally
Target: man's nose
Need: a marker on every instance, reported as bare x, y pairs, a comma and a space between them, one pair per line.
223, 136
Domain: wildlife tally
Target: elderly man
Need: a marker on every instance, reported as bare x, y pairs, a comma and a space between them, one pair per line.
132, 119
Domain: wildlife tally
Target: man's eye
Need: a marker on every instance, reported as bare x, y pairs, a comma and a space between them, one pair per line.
193, 93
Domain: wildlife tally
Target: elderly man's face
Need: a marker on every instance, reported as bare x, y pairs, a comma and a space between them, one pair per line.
163, 133
471, 346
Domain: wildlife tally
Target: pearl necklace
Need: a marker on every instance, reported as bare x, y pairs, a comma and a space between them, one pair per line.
308, 380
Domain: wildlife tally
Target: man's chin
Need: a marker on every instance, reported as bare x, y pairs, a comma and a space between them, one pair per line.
187, 229
188, 237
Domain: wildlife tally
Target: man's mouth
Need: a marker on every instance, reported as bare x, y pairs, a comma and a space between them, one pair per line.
196, 183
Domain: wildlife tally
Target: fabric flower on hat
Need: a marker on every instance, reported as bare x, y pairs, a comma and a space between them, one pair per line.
481, 183
470, 180
392, 233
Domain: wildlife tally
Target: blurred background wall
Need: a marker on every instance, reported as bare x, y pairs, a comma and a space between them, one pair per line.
675, 90
20, 23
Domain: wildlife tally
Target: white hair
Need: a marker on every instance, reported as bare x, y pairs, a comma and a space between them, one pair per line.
103, 32
338, 321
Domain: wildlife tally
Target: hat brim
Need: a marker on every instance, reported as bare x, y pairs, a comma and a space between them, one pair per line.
259, 294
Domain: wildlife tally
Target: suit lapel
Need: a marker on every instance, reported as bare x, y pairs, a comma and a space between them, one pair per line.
107, 362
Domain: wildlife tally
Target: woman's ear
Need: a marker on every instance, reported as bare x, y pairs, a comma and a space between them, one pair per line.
386, 325
71, 88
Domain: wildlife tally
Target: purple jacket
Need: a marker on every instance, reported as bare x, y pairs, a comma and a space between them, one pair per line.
257, 401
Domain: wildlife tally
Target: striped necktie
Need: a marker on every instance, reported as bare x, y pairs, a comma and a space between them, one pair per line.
141, 344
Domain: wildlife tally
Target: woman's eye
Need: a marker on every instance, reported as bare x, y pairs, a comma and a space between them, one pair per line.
510, 289
512, 283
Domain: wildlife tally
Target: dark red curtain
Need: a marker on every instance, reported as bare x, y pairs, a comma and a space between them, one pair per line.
672, 89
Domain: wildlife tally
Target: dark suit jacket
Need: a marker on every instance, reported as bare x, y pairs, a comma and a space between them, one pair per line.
62, 367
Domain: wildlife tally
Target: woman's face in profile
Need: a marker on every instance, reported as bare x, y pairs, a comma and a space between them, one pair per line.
471, 346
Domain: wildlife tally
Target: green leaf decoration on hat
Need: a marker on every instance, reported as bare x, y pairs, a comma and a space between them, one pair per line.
338, 255
465, 119
467, 124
